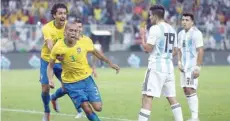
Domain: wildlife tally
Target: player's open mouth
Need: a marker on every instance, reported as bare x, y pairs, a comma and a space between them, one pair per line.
72, 37
62, 20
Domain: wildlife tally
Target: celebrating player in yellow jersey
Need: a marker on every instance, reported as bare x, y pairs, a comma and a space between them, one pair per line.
52, 31
76, 75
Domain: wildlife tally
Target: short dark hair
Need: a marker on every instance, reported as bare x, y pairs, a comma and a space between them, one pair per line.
188, 14
158, 10
78, 20
56, 6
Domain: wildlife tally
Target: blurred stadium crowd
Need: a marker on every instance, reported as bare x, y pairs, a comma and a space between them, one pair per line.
21, 20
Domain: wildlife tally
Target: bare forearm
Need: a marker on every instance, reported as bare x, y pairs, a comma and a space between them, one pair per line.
101, 57
175, 51
49, 44
50, 72
179, 54
200, 56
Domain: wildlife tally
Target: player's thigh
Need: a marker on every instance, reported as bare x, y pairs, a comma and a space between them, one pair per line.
57, 70
76, 92
169, 88
92, 90
43, 72
153, 83
187, 80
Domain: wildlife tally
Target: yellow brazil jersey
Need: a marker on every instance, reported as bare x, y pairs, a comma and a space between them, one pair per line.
50, 32
74, 66
87, 43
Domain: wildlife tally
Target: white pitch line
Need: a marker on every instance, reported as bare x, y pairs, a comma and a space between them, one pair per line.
57, 114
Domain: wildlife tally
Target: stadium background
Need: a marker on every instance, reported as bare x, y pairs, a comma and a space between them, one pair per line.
115, 25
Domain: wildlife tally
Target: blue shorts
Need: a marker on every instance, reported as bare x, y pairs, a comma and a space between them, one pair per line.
43, 71
84, 90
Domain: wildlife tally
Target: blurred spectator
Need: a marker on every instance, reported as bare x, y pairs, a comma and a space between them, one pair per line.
209, 14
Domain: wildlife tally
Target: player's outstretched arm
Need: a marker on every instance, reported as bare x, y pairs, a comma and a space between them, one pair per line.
47, 37
50, 72
49, 44
94, 61
100, 56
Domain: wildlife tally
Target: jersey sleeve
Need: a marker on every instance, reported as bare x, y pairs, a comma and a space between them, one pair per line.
152, 35
46, 33
90, 45
198, 39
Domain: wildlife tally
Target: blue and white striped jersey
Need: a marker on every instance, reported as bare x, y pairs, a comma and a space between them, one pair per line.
164, 39
188, 42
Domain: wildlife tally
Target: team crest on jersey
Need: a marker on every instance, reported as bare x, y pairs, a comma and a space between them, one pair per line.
78, 50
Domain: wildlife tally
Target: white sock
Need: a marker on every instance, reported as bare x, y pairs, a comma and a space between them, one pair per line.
144, 115
177, 112
193, 105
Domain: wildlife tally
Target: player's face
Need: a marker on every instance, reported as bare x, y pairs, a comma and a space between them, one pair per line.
60, 16
186, 22
80, 27
71, 32
152, 18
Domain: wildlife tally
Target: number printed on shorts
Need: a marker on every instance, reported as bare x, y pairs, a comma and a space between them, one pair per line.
190, 81
170, 38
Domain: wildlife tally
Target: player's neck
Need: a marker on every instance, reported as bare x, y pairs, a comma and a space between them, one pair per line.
58, 26
186, 30
159, 21
70, 43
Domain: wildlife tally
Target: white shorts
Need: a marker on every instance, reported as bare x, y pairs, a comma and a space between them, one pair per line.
157, 83
187, 80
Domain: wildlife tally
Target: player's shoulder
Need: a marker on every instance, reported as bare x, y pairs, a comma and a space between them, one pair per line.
48, 25
181, 32
154, 27
154, 30
60, 43
86, 38
196, 31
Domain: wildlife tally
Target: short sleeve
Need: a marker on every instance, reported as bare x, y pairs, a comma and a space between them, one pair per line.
90, 45
46, 33
198, 39
152, 35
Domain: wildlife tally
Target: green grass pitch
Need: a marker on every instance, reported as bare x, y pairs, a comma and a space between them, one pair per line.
121, 95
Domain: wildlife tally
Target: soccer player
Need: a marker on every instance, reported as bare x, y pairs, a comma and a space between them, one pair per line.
52, 32
190, 56
160, 43
76, 75
84, 40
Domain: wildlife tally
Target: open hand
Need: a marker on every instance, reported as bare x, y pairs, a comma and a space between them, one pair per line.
116, 67
196, 73
51, 84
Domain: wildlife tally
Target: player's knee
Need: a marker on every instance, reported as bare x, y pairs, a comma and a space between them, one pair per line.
147, 102
98, 108
86, 107
189, 91
45, 89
